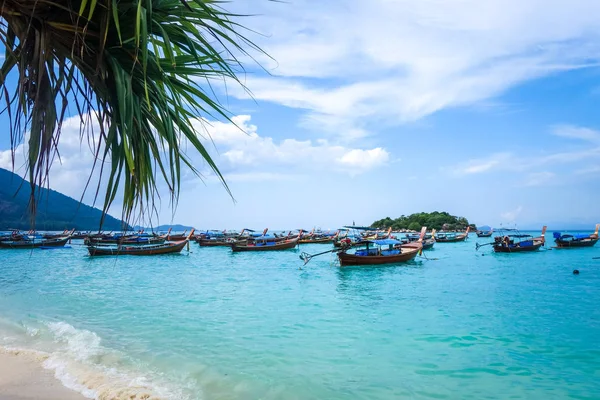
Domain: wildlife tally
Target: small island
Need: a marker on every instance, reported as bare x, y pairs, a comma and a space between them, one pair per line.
434, 220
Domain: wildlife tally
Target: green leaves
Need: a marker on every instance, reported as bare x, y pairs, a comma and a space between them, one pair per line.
132, 66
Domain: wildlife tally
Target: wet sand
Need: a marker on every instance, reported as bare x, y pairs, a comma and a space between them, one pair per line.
23, 378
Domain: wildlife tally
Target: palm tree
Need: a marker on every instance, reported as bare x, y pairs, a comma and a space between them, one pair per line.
140, 70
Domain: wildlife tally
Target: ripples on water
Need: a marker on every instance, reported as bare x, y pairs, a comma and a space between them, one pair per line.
217, 325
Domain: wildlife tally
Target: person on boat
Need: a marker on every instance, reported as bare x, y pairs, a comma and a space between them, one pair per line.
506, 241
346, 242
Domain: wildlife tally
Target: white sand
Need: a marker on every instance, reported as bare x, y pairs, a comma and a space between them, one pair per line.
23, 378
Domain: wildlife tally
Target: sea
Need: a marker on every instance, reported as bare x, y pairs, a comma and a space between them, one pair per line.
457, 323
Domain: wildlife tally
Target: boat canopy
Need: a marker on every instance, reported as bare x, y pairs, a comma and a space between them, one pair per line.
558, 235
385, 242
361, 228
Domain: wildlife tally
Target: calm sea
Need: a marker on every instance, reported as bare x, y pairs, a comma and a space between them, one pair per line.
210, 324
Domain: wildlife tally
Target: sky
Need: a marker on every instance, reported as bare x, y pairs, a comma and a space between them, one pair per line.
365, 110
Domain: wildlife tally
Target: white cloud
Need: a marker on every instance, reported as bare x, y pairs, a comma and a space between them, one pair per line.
526, 162
241, 154
476, 166
511, 216
539, 178
594, 169
239, 149
388, 62
577, 132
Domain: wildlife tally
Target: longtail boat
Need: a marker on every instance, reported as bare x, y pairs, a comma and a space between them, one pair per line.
265, 244
64, 233
381, 251
452, 237
169, 237
124, 240
314, 238
145, 250
378, 255
215, 238
34, 243
427, 242
213, 242
577, 240
515, 242
484, 231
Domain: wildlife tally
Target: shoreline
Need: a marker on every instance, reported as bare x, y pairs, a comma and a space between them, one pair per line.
22, 377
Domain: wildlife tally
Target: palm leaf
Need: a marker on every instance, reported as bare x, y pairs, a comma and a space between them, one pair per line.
134, 67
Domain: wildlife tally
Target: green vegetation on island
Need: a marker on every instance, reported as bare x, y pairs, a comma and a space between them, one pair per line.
434, 220
55, 211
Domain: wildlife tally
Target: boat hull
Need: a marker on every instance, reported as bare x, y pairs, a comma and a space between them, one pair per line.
575, 243
428, 244
309, 241
517, 249
459, 238
26, 244
124, 241
169, 248
351, 259
213, 243
269, 247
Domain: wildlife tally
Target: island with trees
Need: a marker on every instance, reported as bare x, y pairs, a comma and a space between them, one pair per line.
434, 220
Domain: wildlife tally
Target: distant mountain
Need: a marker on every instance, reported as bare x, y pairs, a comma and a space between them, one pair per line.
161, 228
55, 211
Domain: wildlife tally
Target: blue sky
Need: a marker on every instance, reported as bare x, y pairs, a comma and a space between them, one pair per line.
487, 110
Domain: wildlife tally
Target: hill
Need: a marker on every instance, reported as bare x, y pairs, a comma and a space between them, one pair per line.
435, 220
56, 211
164, 228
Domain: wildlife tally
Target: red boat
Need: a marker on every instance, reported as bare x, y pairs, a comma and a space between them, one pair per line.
377, 256
375, 252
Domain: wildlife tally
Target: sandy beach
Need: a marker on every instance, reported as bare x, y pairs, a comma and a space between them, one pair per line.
23, 378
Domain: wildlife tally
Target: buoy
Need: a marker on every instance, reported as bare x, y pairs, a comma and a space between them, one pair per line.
575, 272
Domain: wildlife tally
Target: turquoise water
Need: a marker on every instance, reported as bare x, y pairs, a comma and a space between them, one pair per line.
215, 325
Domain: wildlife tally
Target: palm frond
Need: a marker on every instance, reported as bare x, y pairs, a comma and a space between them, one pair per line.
138, 68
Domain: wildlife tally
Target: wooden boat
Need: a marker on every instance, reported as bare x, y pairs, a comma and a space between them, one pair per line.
427, 241
381, 252
452, 237
343, 241
318, 238
213, 242
174, 237
265, 244
577, 240
64, 233
34, 243
516, 243
130, 240
80, 235
146, 250
377, 256
484, 233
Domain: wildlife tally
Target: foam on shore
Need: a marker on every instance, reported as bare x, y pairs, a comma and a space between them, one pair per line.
80, 362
